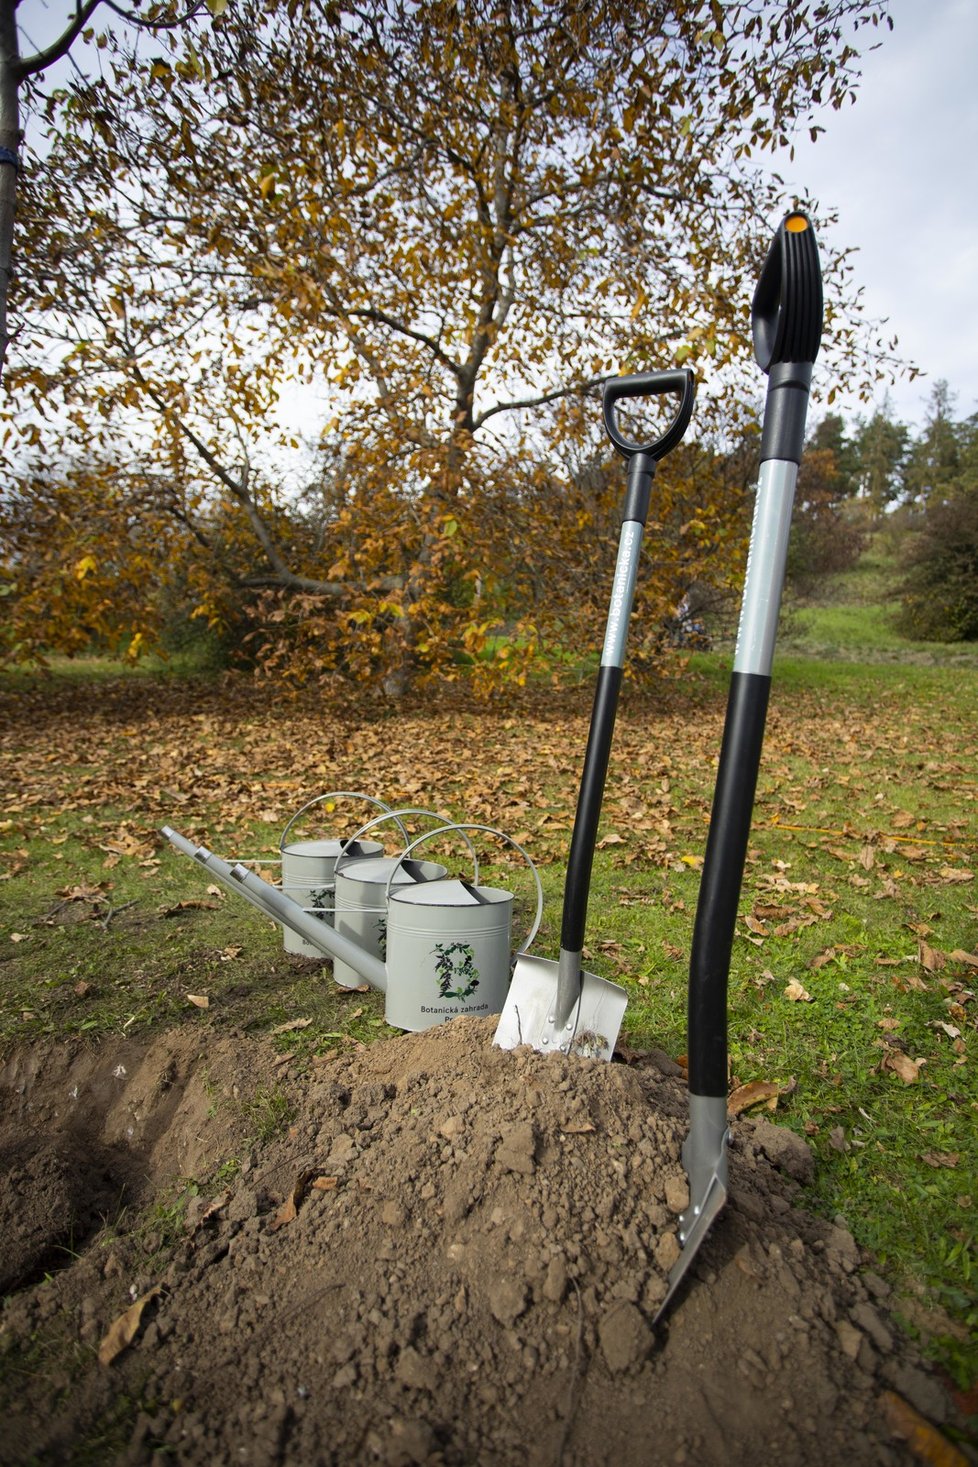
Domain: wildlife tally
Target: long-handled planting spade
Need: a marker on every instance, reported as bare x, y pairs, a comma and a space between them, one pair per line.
787, 325
556, 1006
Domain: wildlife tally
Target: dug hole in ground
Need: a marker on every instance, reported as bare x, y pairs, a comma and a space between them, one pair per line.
451, 1254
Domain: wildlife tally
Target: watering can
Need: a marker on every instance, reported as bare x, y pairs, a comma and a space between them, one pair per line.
448, 942
308, 866
279, 908
442, 950
362, 890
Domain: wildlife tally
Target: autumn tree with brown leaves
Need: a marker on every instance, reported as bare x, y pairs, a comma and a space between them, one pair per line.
455, 220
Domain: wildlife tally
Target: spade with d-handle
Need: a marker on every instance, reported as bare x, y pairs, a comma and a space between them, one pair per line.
787, 325
557, 1006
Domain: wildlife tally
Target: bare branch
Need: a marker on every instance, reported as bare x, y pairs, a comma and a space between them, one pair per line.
383, 318
573, 389
155, 23
238, 488
25, 66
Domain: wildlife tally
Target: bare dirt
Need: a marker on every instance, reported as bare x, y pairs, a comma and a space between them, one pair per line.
447, 1254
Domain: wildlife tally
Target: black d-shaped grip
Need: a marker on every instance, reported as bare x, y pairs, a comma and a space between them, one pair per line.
786, 314
649, 384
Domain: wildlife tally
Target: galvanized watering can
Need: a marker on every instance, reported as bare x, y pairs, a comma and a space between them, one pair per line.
279, 908
362, 888
448, 942
456, 933
308, 866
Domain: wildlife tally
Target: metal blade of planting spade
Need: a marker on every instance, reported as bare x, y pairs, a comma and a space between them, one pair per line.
557, 1005
786, 319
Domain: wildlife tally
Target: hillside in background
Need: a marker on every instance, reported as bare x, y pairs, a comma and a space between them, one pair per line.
854, 615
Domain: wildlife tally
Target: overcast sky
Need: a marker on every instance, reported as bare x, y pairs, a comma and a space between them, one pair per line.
901, 167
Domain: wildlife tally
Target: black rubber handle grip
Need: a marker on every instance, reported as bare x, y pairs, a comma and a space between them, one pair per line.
679, 380
786, 314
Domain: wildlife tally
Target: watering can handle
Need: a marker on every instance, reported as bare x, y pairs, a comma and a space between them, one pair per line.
462, 827
335, 795
678, 380
396, 815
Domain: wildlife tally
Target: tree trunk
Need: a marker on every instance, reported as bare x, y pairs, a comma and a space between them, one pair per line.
10, 138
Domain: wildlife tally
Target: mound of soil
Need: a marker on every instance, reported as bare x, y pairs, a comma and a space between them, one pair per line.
453, 1255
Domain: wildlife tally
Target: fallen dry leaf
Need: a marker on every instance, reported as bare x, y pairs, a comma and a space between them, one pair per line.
755, 1092
960, 956
902, 1065
941, 1158
84, 892
955, 874
912, 981
124, 1330
926, 1442
216, 1205
932, 960
191, 904
795, 993
287, 1213
289, 1209
290, 1026
199, 1000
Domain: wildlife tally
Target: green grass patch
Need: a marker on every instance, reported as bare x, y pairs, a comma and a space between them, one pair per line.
97, 952
196, 661
854, 616
865, 633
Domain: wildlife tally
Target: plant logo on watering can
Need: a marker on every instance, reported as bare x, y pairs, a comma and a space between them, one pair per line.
455, 969
448, 952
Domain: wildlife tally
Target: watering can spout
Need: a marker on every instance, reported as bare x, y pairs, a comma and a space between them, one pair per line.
281, 909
